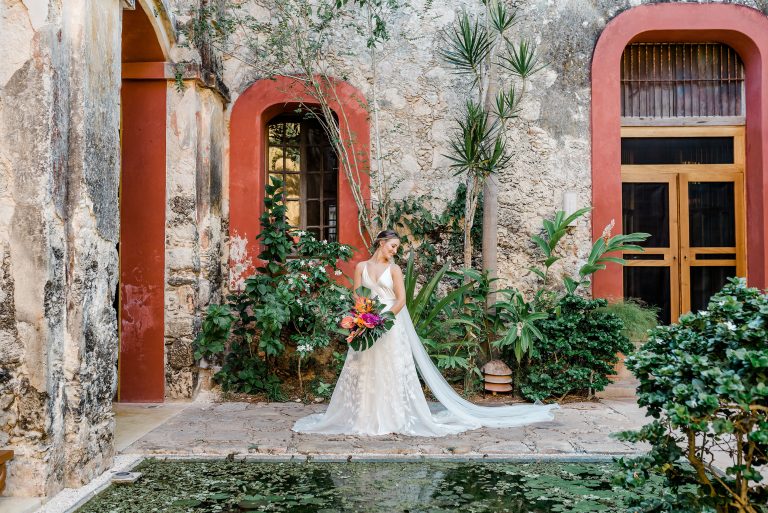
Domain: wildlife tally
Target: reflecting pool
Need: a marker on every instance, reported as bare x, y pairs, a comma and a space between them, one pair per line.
369, 487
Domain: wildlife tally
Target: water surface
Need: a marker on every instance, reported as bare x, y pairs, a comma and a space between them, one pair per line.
365, 487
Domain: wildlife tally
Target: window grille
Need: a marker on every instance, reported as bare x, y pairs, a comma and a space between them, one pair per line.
668, 80
300, 154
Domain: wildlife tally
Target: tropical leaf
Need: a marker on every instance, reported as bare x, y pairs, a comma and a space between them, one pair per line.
502, 17
467, 46
521, 60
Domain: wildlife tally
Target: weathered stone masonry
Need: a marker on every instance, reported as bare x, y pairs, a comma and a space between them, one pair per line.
59, 84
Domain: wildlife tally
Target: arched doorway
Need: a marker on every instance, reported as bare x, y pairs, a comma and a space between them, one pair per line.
141, 362
684, 28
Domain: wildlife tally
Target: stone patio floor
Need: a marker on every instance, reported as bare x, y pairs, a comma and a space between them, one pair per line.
209, 429
240, 429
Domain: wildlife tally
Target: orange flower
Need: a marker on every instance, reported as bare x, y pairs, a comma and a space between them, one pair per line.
348, 322
363, 305
360, 322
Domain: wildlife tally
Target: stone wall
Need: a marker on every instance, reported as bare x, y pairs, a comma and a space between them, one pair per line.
420, 97
59, 165
194, 235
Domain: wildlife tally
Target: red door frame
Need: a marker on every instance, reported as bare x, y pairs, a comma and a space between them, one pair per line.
262, 101
143, 100
746, 31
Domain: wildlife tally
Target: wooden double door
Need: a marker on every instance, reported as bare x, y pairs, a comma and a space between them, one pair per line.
684, 186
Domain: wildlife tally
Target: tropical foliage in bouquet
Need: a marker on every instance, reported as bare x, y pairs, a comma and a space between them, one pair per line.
366, 321
293, 298
704, 381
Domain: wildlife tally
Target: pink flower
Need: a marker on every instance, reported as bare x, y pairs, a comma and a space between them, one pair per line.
348, 322
370, 320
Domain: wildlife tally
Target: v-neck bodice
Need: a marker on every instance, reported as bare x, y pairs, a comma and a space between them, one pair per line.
384, 287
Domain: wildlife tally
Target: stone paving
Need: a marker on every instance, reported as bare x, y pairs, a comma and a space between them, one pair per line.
240, 429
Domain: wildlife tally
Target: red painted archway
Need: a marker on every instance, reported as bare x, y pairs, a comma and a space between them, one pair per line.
263, 100
742, 28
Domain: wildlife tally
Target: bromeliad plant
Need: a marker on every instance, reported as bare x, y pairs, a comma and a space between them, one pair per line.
288, 300
705, 383
554, 231
522, 316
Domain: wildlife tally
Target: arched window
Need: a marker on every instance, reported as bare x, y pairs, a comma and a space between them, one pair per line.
300, 154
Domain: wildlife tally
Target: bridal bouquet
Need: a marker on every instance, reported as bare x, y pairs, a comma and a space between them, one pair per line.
366, 321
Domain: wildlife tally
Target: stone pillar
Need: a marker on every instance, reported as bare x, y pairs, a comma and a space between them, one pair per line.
196, 134
59, 175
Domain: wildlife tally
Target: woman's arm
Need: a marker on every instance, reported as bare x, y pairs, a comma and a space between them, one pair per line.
399, 284
358, 278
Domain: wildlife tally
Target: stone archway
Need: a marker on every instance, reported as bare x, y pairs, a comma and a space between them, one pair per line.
141, 363
742, 28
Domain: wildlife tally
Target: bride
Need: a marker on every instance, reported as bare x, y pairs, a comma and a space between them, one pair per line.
378, 391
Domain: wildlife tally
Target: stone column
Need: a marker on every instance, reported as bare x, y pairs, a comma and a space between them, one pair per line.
196, 139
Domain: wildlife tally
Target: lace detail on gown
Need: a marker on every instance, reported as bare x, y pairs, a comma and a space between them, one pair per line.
379, 392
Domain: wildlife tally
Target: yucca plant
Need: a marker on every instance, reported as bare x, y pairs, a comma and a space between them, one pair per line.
480, 47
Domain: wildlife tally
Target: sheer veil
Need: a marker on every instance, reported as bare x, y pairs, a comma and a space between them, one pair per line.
461, 409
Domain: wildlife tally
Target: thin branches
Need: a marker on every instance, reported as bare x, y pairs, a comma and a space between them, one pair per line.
298, 40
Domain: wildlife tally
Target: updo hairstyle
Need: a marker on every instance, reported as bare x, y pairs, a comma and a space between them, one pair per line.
382, 236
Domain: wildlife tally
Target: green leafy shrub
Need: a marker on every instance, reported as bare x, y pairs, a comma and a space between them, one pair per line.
638, 319
577, 351
705, 383
292, 300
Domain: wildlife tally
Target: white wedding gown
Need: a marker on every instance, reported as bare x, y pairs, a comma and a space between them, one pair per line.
378, 391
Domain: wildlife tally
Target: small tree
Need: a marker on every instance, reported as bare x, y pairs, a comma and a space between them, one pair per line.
705, 382
480, 48
302, 40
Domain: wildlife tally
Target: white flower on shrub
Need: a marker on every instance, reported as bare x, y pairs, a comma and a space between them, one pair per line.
730, 325
304, 348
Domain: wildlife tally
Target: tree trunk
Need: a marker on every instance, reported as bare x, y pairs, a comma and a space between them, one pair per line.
491, 203
491, 232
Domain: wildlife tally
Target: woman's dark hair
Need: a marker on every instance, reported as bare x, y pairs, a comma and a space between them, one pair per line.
383, 235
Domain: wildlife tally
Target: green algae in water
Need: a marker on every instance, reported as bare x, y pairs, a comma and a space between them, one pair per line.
380, 487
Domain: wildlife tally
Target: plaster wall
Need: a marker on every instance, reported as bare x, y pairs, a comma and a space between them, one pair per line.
59, 83
194, 230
